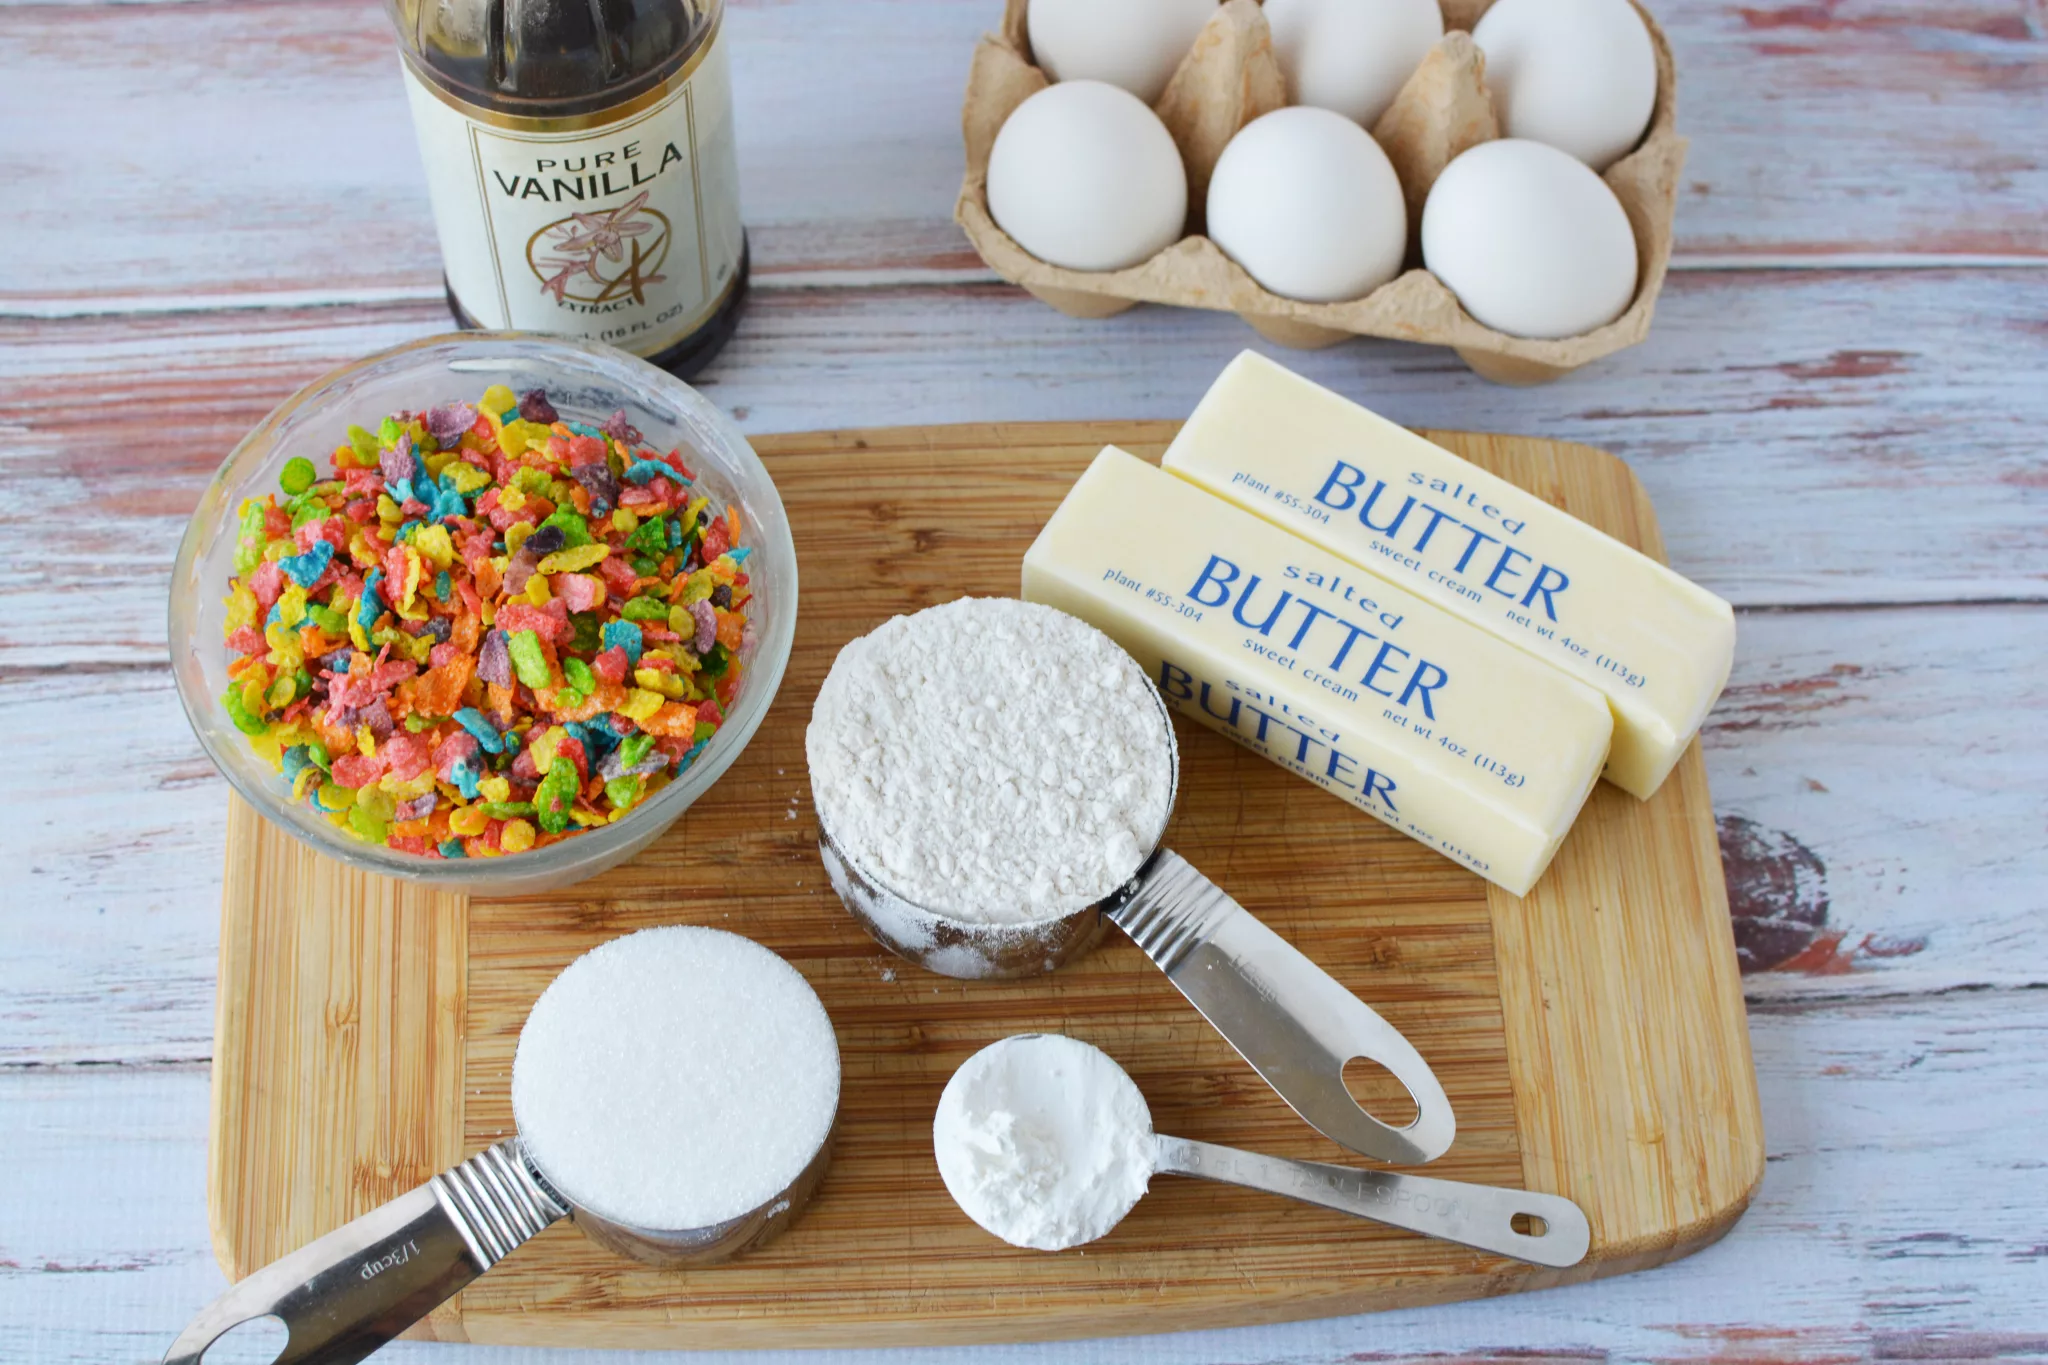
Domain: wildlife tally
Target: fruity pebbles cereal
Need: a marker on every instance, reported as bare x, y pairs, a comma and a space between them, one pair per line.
487, 629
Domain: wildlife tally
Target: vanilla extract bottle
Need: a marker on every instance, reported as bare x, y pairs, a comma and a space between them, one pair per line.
582, 167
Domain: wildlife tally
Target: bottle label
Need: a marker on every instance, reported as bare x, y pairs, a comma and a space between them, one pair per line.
622, 226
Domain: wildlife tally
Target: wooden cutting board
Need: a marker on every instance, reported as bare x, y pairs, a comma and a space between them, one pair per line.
1591, 1035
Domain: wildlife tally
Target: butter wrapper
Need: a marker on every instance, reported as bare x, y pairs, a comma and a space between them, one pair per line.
1417, 718
1655, 644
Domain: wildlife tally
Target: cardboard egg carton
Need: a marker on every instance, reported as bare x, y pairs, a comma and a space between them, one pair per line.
1230, 77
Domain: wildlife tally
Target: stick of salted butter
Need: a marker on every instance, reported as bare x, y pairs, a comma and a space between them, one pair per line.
1442, 731
1655, 644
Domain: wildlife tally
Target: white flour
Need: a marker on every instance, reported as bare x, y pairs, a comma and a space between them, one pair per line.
996, 761
1043, 1141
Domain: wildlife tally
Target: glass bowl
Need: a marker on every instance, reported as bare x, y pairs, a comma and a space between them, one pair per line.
586, 383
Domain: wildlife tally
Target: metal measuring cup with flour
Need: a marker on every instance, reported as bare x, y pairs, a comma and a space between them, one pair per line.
993, 779
675, 1093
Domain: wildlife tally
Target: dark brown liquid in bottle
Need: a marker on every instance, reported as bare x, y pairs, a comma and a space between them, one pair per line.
560, 59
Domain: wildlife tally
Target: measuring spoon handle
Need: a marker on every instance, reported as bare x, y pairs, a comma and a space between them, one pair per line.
346, 1294
1294, 1022
1479, 1216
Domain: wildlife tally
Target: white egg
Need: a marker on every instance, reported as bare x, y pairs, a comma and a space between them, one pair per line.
1530, 240
1084, 175
1134, 44
1351, 55
1309, 205
1580, 75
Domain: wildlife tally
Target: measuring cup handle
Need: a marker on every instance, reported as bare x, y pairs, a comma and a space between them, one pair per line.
1479, 1216
1285, 1015
346, 1294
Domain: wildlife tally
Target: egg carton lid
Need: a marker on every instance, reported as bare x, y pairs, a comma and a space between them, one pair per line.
1230, 77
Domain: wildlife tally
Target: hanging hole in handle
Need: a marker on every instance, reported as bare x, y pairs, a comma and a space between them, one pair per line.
258, 1341
1380, 1093
1529, 1224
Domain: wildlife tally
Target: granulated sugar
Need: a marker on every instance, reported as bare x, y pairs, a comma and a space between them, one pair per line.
675, 1078
996, 761
1044, 1141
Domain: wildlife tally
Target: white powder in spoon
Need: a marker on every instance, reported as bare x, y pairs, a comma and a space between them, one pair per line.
995, 761
675, 1078
1044, 1141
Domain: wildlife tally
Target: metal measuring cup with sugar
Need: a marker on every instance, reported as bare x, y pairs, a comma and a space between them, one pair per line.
1295, 1024
344, 1295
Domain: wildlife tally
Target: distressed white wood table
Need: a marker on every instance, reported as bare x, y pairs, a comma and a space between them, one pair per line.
1840, 413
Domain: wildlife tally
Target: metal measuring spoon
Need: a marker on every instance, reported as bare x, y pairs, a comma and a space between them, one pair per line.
1290, 1019
1481, 1216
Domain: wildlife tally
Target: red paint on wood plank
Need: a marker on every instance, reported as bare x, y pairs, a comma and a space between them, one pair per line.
1848, 365
1783, 703
1838, 16
1778, 897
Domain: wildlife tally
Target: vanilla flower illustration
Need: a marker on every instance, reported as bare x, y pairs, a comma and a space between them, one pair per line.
565, 271
606, 233
579, 242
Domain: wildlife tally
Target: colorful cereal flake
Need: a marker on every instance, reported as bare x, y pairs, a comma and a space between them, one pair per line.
485, 629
